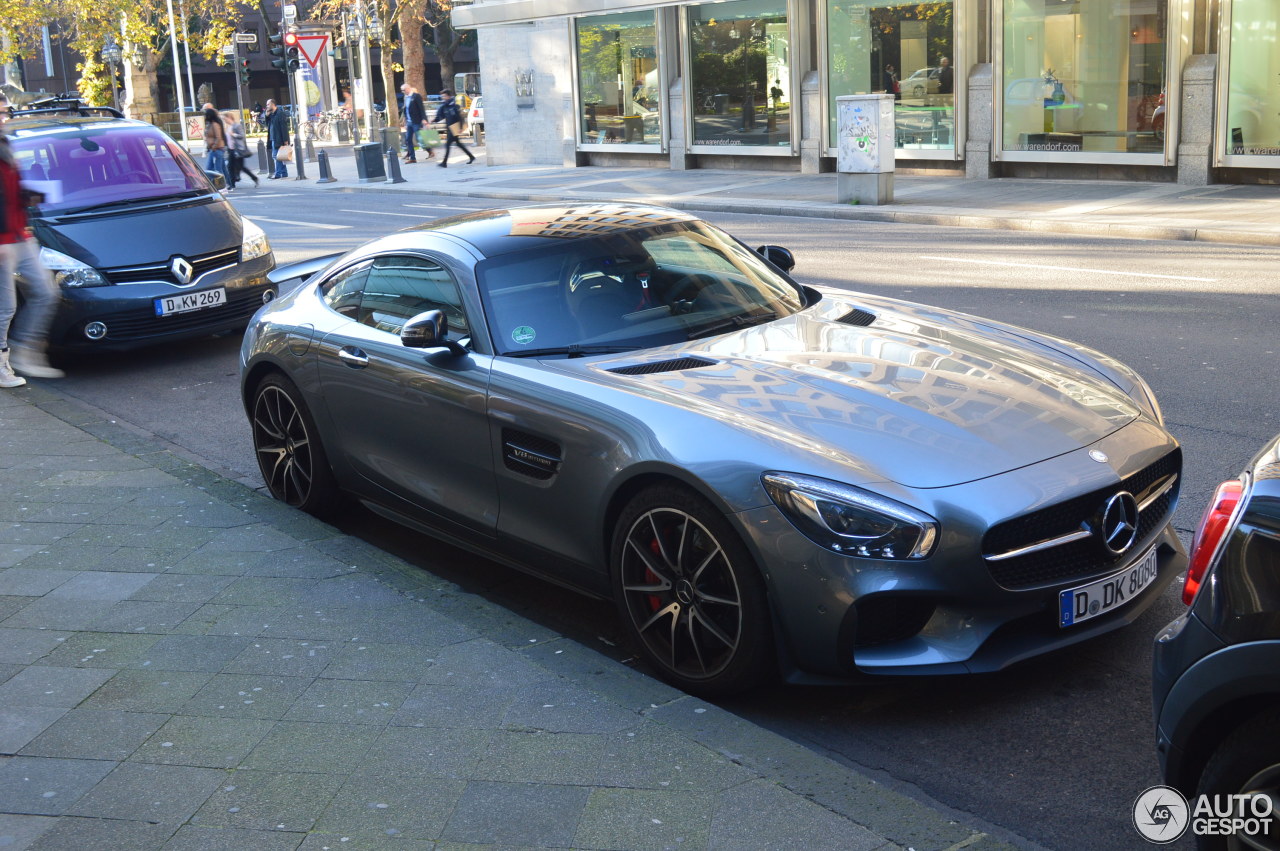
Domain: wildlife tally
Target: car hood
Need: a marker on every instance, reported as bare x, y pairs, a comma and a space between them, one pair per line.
135, 236
921, 397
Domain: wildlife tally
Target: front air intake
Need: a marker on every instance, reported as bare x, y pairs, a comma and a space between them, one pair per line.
673, 365
857, 316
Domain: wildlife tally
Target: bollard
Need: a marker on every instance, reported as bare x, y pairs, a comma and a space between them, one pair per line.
264, 164
311, 151
299, 160
326, 176
393, 167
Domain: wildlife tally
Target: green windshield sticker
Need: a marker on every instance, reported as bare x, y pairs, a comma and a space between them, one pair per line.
523, 335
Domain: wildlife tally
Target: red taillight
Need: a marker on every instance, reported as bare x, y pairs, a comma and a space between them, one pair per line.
1213, 527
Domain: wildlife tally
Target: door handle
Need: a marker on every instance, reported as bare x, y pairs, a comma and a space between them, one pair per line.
353, 358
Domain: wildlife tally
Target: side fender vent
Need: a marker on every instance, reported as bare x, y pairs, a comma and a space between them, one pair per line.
529, 454
857, 316
663, 366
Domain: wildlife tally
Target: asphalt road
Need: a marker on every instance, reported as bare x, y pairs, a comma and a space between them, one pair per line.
1053, 751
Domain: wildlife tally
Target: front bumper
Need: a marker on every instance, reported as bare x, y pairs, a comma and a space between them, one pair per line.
843, 616
128, 310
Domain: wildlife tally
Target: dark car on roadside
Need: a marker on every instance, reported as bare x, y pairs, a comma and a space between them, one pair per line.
1216, 679
142, 243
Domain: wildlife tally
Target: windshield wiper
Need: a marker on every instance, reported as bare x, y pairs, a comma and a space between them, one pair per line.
157, 200
573, 351
733, 323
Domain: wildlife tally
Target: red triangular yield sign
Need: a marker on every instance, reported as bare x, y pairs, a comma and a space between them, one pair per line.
312, 47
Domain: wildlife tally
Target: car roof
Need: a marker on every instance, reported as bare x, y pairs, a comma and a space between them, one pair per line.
42, 122
497, 232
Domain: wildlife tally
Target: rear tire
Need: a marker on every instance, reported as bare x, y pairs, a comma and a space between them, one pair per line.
690, 595
287, 444
1246, 763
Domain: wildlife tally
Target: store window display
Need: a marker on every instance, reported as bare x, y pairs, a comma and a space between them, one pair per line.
619, 93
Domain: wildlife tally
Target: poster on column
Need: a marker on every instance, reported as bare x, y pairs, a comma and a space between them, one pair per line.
310, 91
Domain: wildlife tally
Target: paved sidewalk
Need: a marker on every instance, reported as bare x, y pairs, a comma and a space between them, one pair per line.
1247, 215
188, 664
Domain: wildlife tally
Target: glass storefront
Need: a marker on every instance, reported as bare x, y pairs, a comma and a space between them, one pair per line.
619, 91
1083, 77
1252, 115
905, 49
740, 85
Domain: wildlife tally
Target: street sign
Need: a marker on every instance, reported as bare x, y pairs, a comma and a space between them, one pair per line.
246, 38
228, 50
312, 47
290, 14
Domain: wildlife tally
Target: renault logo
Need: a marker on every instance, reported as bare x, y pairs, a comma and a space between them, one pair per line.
1118, 526
182, 270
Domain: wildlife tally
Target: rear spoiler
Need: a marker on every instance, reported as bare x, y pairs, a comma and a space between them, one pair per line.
302, 271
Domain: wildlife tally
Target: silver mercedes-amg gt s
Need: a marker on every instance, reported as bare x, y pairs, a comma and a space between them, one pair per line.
766, 477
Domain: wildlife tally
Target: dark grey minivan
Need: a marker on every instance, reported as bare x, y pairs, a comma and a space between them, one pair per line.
142, 243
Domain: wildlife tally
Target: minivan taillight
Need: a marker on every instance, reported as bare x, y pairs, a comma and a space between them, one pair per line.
1212, 531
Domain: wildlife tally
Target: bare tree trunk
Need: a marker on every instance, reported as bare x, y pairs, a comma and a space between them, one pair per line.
141, 87
412, 16
389, 86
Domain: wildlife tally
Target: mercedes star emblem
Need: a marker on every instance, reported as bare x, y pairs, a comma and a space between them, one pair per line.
1119, 524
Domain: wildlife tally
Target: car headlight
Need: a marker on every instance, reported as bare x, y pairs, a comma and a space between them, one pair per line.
255, 243
70, 272
852, 521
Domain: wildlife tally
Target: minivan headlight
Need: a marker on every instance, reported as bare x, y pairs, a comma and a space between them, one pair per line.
254, 243
70, 272
852, 521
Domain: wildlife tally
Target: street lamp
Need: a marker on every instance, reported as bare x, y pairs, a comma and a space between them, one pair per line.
112, 56
363, 27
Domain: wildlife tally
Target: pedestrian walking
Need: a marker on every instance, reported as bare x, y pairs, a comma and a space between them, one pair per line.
23, 333
415, 118
450, 114
277, 135
237, 150
215, 142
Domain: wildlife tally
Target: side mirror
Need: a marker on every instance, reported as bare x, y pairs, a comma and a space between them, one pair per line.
429, 330
218, 179
778, 256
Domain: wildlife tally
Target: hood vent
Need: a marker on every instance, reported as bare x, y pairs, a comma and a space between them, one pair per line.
672, 365
857, 316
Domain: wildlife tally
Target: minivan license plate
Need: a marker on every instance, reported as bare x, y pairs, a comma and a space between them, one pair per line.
1105, 595
191, 301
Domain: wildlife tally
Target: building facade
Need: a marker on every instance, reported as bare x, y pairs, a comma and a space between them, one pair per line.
1159, 90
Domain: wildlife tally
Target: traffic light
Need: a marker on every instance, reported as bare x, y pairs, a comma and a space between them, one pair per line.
277, 52
244, 71
291, 52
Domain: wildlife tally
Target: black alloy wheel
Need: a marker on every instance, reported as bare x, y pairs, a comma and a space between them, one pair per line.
1247, 764
290, 456
690, 595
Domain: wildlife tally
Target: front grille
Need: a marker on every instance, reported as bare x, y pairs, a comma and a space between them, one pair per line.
1085, 558
141, 322
161, 271
662, 366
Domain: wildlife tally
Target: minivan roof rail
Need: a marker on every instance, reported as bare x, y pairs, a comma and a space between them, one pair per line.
69, 102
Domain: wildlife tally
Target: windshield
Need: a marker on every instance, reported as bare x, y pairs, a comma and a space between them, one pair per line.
97, 165
634, 289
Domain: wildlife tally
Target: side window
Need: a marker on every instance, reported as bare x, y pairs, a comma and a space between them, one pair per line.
400, 287
342, 292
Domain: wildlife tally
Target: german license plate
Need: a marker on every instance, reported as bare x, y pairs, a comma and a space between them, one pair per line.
185, 302
1105, 595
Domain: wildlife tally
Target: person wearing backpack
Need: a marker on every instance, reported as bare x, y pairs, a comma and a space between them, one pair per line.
450, 114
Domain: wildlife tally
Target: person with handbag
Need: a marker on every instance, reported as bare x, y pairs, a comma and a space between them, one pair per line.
450, 114
237, 150
277, 138
215, 142
415, 118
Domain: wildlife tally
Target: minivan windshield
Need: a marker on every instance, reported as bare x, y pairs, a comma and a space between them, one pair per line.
97, 164
637, 288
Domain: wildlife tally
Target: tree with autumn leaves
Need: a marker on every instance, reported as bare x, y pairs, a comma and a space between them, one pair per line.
141, 27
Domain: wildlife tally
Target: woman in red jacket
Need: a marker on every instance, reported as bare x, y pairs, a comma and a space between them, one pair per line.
20, 266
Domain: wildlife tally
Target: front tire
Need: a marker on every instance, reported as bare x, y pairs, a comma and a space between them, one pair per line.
287, 444
690, 595
1246, 763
